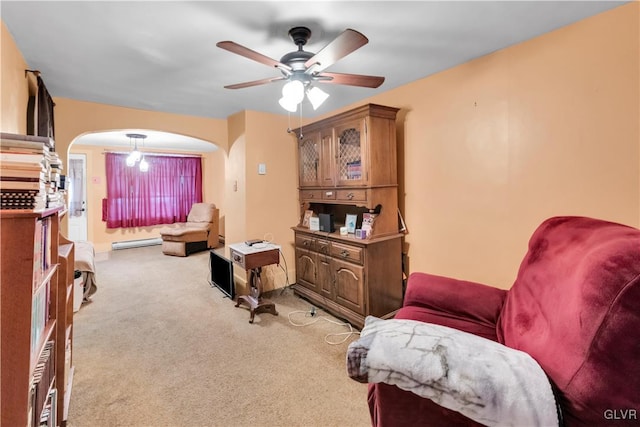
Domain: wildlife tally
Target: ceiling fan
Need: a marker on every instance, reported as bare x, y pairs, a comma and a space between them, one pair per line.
302, 69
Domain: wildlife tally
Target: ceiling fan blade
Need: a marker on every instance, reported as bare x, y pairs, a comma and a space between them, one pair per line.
234, 47
350, 79
348, 41
254, 83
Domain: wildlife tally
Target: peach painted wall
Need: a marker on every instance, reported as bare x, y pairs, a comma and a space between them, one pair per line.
213, 164
272, 205
264, 206
14, 85
493, 147
235, 180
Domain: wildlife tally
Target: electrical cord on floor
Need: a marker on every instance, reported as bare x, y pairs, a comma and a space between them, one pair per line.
286, 272
313, 314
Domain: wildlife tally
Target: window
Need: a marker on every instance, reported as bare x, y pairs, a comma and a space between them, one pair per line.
162, 195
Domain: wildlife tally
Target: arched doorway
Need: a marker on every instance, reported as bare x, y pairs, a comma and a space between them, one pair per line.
87, 182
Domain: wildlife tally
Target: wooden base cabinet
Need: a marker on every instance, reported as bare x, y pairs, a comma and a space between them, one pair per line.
349, 278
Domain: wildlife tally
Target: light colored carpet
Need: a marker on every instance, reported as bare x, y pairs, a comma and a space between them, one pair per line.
158, 346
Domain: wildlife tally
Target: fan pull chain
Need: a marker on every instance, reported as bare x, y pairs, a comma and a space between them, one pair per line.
300, 136
289, 130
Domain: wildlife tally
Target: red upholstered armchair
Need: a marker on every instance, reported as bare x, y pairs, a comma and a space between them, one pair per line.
574, 308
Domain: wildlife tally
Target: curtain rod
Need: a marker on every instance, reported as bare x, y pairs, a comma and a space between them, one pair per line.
151, 153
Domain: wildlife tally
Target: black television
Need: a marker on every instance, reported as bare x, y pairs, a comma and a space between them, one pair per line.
222, 274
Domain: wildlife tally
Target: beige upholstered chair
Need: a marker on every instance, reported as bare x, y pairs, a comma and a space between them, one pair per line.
200, 232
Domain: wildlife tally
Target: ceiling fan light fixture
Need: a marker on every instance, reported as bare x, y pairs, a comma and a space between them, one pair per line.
316, 96
288, 105
293, 91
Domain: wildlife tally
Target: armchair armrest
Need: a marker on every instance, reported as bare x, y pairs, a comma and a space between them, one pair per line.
485, 381
454, 298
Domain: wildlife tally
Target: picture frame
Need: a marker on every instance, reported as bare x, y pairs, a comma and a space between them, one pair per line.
350, 223
368, 219
305, 220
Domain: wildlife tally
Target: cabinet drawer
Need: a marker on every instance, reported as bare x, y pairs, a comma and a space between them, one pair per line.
312, 244
317, 195
355, 195
249, 261
305, 242
346, 252
328, 194
306, 195
237, 257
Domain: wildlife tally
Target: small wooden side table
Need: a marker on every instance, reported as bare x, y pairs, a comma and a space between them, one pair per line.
253, 258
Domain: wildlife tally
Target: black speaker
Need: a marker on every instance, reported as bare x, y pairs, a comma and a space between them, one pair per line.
326, 223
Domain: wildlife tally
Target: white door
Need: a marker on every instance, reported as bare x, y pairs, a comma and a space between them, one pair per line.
77, 176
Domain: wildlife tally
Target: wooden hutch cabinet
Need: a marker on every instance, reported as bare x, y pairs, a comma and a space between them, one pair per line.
348, 165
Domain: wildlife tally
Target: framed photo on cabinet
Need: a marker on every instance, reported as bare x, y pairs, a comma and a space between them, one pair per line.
305, 220
350, 223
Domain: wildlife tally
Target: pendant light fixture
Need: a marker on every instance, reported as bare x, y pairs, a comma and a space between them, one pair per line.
136, 156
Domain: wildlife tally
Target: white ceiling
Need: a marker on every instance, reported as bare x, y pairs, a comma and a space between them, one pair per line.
162, 55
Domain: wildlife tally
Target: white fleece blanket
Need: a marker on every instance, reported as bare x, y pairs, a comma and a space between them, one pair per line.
85, 262
486, 381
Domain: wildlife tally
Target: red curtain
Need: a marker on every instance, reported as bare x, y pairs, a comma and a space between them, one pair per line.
162, 195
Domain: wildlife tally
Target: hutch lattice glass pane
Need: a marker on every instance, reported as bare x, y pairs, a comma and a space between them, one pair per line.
309, 161
350, 161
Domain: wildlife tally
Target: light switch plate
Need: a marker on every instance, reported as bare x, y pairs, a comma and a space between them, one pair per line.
262, 169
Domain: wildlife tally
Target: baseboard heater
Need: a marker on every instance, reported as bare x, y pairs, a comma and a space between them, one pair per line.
128, 244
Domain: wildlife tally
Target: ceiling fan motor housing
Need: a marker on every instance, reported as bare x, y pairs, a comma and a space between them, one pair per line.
298, 58
300, 35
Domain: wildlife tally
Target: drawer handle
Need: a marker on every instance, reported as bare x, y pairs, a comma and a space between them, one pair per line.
350, 196
344, 254
310, 195
305, 243
329, 193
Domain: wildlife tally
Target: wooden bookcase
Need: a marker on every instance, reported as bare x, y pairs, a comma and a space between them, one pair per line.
64, 353
36, 303
347, 164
